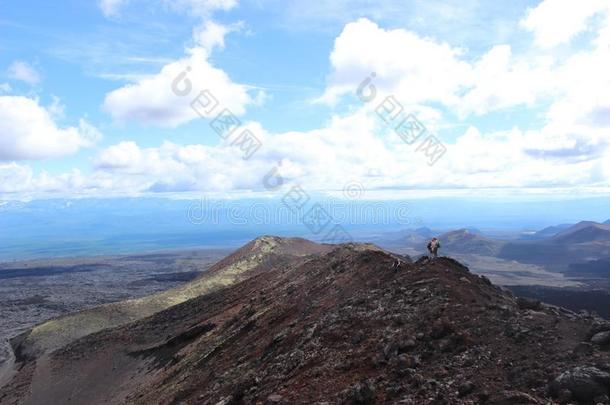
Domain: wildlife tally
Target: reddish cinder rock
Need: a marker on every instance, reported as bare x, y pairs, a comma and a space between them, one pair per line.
336, 324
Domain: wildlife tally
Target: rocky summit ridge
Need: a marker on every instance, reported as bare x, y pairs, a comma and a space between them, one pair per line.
285, 321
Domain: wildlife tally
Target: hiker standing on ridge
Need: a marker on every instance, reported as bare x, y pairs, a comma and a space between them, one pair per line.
433, 247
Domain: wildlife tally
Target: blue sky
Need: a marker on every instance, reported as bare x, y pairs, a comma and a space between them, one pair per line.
515, 96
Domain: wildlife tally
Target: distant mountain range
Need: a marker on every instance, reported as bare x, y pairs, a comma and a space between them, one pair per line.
546, 232
88, 226
467, 241
584, 232
562, 246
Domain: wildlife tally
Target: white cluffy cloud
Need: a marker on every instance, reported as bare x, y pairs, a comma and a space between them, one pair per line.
572, 86
28, 131
201, 8
354, 147
211, 35
111, 8
23, 71
20, 179
419, 69
556, 22
15, 178
504, 80
154, 100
